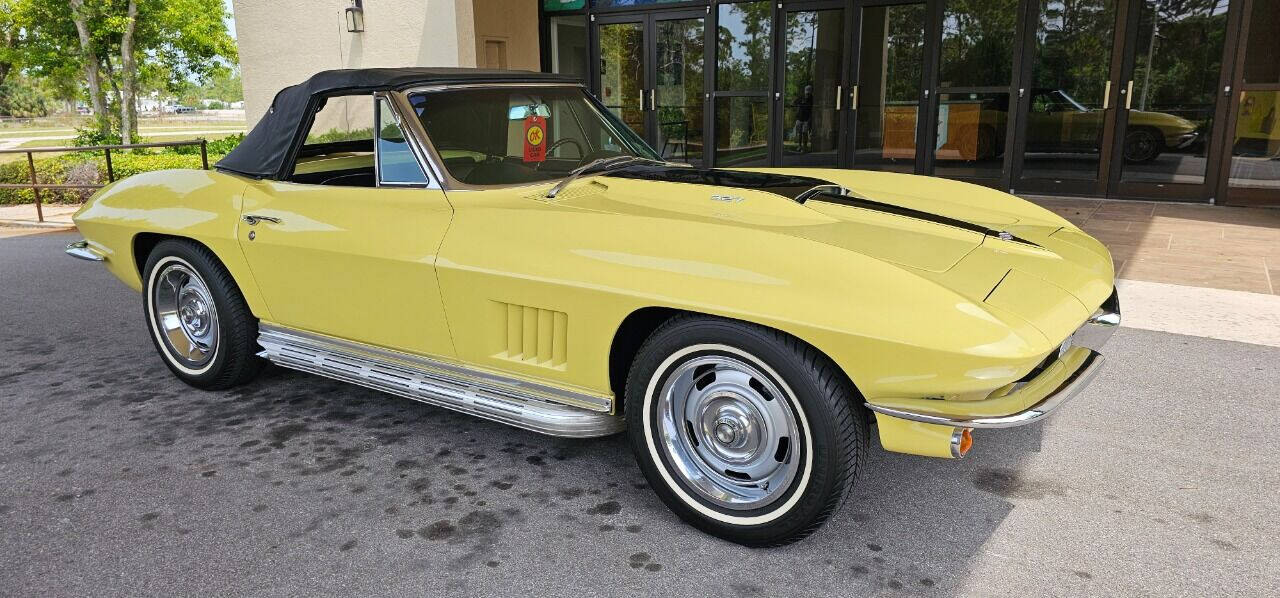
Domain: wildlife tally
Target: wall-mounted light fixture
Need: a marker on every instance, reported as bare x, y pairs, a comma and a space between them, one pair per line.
355, 17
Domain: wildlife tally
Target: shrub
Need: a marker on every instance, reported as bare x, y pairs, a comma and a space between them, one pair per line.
90, 135
217, 146
86, 168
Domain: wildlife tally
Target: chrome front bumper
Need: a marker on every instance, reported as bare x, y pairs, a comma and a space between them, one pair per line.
1092, 335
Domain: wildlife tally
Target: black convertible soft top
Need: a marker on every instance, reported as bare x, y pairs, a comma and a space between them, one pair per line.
266, 148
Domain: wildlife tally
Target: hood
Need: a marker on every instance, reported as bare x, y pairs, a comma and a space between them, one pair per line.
946, 231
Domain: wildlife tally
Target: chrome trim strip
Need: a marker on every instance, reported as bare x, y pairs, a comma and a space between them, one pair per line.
81, 250
1069, 389
536, 407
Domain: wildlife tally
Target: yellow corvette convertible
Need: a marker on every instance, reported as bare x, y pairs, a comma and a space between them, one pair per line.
500, 244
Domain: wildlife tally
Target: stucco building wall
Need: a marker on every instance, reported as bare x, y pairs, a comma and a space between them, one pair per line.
282, 42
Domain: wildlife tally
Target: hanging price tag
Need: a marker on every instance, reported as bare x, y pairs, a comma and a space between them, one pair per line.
535, 139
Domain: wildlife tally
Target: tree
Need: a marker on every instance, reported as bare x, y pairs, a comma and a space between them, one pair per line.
117, 47
88, 56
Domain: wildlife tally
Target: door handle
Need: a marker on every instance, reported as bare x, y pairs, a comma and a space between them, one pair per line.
1128, 96
853, 98
839, 93
1106, 96
653, 104
252, 219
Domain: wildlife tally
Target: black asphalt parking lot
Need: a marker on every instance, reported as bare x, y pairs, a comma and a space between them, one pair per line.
117, 479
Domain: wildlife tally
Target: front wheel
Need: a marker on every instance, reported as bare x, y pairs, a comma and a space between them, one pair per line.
198, 319
1141, 146
744, 432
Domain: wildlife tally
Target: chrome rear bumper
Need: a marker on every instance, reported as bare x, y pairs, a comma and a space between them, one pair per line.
1092, 335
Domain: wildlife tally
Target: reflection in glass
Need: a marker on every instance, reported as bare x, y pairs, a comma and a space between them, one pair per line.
743, 53
814, 55
971, 133
1255, 155
622, 72
889, 86
679, 93
1261, 63
742, 131
569, 46
1070, 68
977, 43
1175, 87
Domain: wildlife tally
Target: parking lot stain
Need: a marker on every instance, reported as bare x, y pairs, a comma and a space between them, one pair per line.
611, 507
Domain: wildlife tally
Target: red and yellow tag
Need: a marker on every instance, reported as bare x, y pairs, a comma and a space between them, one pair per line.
535, 139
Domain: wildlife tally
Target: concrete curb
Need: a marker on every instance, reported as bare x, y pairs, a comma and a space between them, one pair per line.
50, 225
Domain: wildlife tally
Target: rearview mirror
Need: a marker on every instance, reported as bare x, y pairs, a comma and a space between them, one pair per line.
523, 112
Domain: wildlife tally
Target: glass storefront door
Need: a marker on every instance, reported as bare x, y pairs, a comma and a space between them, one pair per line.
1252, 171
621, 84
1068, 97
812, 88
890, 92
652, 73
744, 58
1167, 119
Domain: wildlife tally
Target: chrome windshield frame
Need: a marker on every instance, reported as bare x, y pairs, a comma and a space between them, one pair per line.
413, 128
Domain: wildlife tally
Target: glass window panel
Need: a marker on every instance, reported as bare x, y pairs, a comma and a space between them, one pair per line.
977, 43
1070, 67
569, 46
1255, 155
396, 161
622, 72
1262, 52
1175, 87
742, 131
889, 86
743, 52
971, 133
815, 59
679, 94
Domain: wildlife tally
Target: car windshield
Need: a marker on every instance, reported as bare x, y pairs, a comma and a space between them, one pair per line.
520, 135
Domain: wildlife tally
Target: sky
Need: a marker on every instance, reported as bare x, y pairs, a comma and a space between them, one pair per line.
231, 24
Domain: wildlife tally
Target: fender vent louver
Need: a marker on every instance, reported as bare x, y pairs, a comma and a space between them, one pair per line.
536, 336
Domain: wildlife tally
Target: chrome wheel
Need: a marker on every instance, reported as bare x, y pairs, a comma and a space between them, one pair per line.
184, 314
729, 432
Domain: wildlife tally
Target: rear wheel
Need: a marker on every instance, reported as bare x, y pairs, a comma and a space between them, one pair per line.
198, 319
744, 432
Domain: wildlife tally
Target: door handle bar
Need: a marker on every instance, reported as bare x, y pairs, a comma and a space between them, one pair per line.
1106, 96
252, 219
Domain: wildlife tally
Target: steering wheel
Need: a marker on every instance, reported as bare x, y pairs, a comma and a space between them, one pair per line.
563, 140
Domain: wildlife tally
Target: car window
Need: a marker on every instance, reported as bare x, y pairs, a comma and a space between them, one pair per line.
338, 148
397, 163
515, 135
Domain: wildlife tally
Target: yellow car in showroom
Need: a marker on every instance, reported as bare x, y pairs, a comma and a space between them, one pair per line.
500, 244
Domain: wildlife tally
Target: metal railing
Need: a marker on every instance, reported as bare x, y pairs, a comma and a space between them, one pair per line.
35, 185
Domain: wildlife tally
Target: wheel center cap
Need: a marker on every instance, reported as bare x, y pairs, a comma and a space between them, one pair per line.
726, 432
